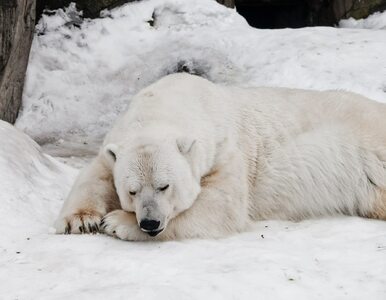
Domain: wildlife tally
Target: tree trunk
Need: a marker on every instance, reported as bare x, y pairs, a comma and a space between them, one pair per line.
228, 3
17, 21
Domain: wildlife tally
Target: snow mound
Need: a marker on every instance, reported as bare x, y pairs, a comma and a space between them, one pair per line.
375, 21
83, 73
33, 185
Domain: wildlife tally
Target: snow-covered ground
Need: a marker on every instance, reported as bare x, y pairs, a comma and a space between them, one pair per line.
81, 77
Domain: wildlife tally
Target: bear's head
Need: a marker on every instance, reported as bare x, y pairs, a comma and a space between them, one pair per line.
154, 179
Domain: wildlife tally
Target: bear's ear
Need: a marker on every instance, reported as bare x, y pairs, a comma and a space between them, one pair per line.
185, 144
110, 153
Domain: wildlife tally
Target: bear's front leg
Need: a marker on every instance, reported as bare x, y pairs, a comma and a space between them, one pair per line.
92, 196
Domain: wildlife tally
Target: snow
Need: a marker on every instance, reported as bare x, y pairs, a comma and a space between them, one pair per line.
95, 67
375, 21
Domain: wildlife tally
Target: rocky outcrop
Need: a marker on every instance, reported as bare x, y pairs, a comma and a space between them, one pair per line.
357, 9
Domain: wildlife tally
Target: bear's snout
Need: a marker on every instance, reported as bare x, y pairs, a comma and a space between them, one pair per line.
149, 225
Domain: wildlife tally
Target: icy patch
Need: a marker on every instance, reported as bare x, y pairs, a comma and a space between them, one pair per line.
81, 75
375, 21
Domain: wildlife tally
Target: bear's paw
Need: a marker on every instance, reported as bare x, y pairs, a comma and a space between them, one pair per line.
80, 222
122, 225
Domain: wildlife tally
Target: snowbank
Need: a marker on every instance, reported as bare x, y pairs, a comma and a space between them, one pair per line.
375, 21
81, 76
33, 185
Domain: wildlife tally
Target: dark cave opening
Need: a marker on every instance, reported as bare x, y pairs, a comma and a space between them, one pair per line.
275, 14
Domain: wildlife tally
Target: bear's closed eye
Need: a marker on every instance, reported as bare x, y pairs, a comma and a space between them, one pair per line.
163, 188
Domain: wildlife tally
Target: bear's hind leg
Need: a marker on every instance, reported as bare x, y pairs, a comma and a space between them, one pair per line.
379, 208
375, 169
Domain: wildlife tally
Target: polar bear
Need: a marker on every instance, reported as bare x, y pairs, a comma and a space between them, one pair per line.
192, 159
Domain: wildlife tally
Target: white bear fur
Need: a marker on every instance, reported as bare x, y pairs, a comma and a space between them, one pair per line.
253, 154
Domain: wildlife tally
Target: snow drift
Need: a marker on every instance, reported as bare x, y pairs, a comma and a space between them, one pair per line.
33, 185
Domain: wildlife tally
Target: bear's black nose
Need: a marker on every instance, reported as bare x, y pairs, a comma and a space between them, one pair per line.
149, 225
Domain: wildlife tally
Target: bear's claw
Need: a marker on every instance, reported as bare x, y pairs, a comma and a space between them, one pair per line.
79, 223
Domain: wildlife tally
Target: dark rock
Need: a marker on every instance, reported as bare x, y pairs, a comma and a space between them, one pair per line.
228, 3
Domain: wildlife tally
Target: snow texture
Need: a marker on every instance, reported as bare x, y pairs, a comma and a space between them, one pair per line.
82, 74
375, 21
